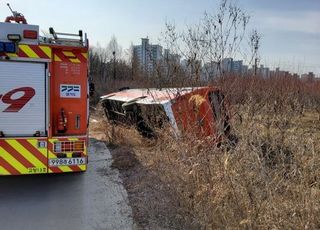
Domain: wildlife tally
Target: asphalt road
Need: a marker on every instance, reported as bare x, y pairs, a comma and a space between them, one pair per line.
83, 201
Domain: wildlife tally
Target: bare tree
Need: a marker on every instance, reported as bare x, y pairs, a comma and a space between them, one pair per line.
254, 43
114, 47
218, 35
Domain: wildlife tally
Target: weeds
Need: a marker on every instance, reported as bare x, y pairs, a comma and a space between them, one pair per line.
270, 179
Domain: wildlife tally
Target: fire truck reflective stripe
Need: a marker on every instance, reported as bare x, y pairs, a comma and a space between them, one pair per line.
66, 169
32, 51
22, 54
56, 58
62, 57
74, 60
34, 151
12, 55
30, 155
3, 171
81, 57
8, 146
43, 151
73, 139
10, 163
46, 50
40, 52
55, 170
6, 166
69, 54
28, 51
73, 56
85, 55
83, 167
75, 168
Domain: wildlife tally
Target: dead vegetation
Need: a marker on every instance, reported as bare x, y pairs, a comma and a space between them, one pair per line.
269, 180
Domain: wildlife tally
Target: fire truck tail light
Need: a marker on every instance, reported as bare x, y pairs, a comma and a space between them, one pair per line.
79, 146
68, 146
57, 147
30, 34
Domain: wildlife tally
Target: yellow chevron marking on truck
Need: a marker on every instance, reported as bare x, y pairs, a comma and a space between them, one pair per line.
74, 60
28, 51
56, 58
65, 168
73, 139
3, 171
46, 50
12, 161
19, 148
12, 55
53, 140
51, 155
68, 54
43, 151
85, 55
82, 167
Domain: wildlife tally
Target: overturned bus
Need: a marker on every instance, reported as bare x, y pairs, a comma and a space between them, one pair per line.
201, 111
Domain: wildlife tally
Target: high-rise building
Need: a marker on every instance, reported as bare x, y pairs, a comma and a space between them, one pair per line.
237, 66
226, 65
148, 55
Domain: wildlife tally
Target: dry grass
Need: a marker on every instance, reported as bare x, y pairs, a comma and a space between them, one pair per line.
270, 180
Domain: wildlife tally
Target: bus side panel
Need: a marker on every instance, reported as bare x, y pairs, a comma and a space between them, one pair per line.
194, 114
20, 156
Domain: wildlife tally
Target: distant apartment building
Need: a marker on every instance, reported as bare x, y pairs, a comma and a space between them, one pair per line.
226, 65
245, 70
210, 70
170, 57
147, 55
264, 71
237, 66
308, 76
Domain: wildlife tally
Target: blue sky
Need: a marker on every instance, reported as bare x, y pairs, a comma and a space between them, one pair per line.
290, 28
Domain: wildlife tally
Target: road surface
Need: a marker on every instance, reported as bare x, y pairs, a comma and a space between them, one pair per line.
95, 200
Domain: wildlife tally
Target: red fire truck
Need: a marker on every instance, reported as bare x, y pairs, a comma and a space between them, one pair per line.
43, 99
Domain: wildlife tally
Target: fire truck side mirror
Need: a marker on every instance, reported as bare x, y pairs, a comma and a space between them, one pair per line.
91, 89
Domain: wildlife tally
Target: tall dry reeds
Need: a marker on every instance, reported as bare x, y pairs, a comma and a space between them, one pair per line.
270, 179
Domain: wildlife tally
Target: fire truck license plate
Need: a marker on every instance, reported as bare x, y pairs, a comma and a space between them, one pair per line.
67, 161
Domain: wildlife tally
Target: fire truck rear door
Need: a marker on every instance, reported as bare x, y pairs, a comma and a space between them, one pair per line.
22, 99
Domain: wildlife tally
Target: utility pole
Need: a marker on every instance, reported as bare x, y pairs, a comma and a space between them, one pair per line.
255, 66
114, 64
